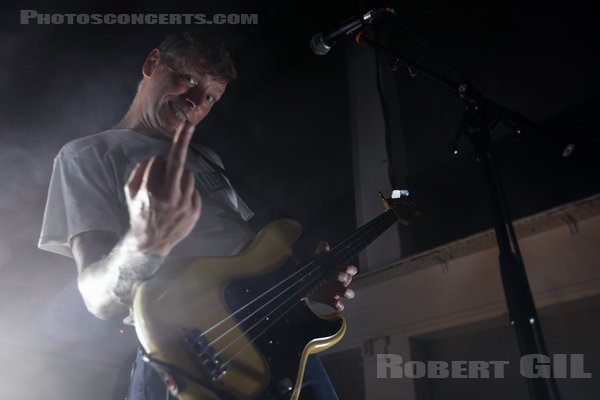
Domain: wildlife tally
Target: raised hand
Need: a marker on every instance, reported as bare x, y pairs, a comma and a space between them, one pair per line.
163, 202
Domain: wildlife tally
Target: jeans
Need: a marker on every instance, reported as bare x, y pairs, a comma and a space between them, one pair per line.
146, 384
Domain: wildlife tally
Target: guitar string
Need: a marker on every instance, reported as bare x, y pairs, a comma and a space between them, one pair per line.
295, 303
253, 339
257, 310
344, 247
308, 264
291, 298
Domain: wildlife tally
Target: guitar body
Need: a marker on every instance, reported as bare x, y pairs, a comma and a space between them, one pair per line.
235, 327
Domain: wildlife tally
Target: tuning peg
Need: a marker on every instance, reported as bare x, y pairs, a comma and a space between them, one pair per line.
396, 194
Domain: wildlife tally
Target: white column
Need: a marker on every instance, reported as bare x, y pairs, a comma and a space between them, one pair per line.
369, 154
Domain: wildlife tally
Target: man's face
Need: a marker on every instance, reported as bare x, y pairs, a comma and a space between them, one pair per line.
177, 91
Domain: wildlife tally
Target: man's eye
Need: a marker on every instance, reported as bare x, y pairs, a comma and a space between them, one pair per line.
190, 80
210, 98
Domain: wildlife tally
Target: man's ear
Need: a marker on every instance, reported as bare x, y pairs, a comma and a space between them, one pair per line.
151, 63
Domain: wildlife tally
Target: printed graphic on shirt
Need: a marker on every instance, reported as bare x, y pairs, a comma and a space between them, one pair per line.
209, 182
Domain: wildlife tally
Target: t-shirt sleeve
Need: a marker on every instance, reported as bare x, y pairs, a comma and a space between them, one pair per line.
83, 196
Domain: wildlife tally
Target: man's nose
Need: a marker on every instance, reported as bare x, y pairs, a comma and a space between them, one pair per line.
195, 97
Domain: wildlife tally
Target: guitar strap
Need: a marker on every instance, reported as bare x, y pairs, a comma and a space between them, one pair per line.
265, 210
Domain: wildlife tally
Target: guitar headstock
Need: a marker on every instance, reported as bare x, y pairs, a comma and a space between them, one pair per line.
401, 204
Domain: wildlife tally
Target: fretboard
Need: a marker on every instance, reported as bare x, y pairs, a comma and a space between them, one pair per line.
345, 251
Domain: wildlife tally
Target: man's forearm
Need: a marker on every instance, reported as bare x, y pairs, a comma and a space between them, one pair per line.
109, 284
163, 206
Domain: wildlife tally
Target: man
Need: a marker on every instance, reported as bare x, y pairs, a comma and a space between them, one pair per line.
120, 202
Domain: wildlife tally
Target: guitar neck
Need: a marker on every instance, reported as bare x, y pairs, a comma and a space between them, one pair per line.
345, 251
350, 247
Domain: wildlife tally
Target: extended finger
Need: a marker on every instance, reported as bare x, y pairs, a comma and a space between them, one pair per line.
197, 203
154, 175
344, 277
178, 155
187, 185
135, 179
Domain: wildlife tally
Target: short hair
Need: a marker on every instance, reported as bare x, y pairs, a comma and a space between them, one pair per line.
208, 53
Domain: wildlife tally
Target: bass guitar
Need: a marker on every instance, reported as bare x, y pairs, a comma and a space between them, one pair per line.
242, 327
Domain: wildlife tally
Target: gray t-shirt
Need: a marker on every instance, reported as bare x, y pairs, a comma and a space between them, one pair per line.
86, 193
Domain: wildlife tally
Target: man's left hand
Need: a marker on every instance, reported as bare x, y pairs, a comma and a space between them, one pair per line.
336, 287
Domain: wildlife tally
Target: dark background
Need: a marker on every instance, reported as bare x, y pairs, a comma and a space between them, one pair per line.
284, 125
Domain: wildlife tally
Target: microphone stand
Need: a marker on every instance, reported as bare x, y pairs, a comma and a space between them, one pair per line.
482, 115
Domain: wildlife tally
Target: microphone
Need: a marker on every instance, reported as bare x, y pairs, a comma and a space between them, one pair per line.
320, 44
